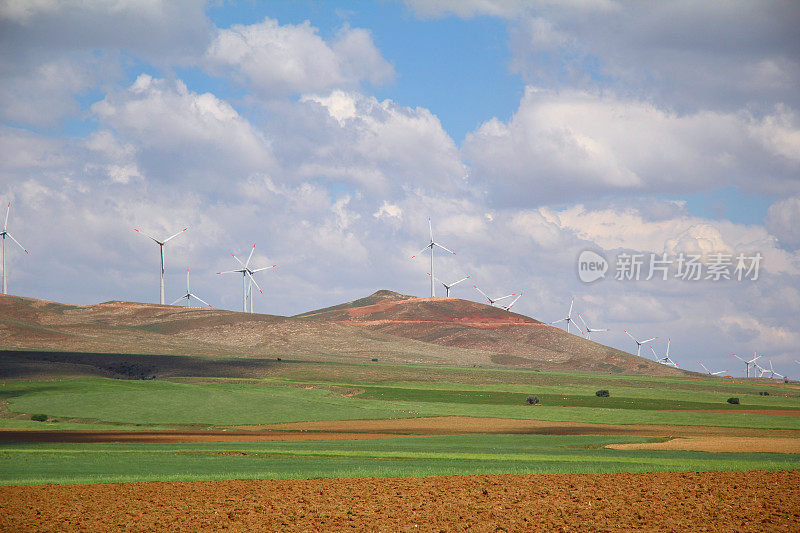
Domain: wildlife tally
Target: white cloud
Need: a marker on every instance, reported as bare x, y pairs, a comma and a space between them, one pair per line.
380, 145
184, 136
275, 59
569, 145
783, 221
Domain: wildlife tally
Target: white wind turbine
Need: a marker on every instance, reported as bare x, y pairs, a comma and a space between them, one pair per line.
189, 294
666, 359
771, 371
447, 286
589, 330
638, 342
492, 301
5, 234
431, 245
568, 318
246, 273
709, 372
509, 306
748, 363
161, 249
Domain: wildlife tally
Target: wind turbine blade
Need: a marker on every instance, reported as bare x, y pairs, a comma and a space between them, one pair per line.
179, 299
148, 235
557, 321
484, 294
172, 237
418, 253
230, 272
430, 228
704, 367
250, 256
8, 210
198, 298
654, 352
18, 244
649, 340
631, 336
443, 248
513, 302
504, 297
459, 281
187, 282
261, 269
238, 261
740, 359
571, 303
583, 322
252, 279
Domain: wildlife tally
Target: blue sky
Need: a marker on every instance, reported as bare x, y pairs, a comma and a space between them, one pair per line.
327, 133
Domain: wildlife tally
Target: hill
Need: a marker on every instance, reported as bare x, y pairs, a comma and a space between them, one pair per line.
387, 326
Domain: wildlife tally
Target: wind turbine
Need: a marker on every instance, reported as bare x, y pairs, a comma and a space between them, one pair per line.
5, 234
247, 272
638, 342
431, 245
509, 306
771, 371
161, 249
748, 363
493, 300
666, 359
189, 294
447, 287
590, 330
569, 317
710, 372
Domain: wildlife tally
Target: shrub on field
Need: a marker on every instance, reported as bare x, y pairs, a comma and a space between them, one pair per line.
532, 400
39, 418
602, 393
374, 359
733, 401
763, 393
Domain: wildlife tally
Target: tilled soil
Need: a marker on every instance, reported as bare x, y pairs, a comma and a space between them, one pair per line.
719, 443
693, 501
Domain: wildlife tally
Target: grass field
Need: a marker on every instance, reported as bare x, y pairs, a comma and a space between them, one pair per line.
298, 392
418, 456
353, 395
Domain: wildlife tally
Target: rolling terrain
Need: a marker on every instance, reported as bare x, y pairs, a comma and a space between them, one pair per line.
387, 326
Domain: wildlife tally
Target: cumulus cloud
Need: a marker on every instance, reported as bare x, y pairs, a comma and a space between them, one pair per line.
289, 59
570, 145
183, 136
380, 145
783, 221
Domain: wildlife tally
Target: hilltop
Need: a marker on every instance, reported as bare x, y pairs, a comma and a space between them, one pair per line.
386, 325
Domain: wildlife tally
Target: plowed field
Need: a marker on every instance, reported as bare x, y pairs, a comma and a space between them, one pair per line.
702, 501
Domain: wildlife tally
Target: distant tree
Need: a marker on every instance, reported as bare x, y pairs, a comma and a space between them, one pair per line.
39, 418
733, 401
603, 393
532, 400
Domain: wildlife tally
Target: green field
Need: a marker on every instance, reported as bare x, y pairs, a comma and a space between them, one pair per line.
415, 456
303, 391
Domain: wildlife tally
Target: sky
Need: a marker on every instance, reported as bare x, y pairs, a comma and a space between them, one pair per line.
326, 133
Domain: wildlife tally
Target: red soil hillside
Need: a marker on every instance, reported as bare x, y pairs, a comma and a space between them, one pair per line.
386, 325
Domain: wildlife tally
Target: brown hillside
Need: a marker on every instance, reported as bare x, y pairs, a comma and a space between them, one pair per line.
385, 325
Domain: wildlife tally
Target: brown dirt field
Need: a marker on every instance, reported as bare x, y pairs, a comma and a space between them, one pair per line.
454, 425
719, 444
692, 501
56, 435
775, 412
376, 429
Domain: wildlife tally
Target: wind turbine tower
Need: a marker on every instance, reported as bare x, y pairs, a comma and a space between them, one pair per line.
5, 234
161, 250
431, 245
247, 273
189, 294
